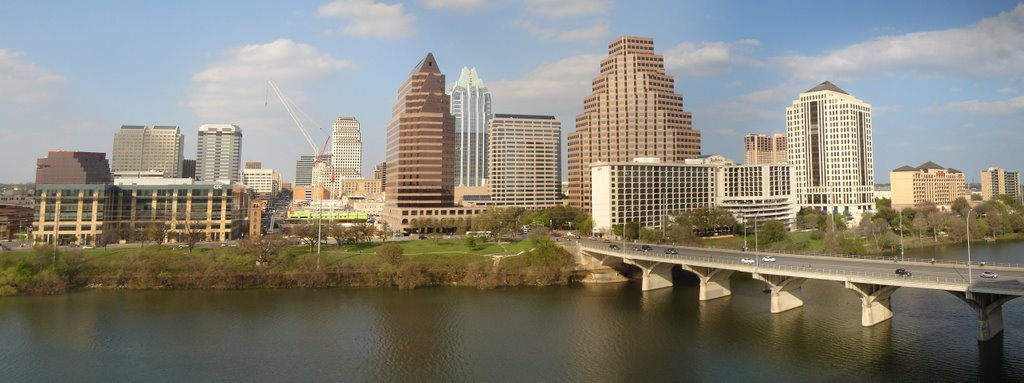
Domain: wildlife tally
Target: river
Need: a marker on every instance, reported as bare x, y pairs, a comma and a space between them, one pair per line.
606, 333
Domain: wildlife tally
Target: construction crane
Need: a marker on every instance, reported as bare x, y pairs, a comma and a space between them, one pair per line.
318, 152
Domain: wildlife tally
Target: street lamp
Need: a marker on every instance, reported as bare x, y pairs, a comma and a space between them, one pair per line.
970, 277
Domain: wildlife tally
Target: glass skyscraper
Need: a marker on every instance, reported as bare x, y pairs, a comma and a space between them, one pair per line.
471, 107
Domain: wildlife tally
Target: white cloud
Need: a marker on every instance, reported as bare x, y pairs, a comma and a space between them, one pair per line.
461, 5
556, 9
991, 108
992, 47
586, 33
24, 82
710, 58
233, 90
370, 19
1007, 90
551, 88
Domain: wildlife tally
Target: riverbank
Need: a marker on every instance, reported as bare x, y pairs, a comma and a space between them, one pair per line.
538, 261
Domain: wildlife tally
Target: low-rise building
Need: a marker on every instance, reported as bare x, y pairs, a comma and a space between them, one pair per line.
13, 220
650, 192
106, 213
930, 182
265, 182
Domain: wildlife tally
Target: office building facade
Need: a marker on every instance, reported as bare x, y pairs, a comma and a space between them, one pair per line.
346, 148
145, 149
60, 167
264, 182
219, 153
998, 181
525, 161
471, 108
633, 111
830, 147
760, 149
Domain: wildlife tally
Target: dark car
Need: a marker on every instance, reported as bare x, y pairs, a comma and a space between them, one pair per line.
646, 248
613, 246
903, 272
671, 251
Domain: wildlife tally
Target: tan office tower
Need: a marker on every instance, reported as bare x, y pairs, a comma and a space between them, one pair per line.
760, 149
996, 181
633, 112
420, 157
147, 149
524, 164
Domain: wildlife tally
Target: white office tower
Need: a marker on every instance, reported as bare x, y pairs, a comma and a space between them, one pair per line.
828, 136
219, 153
147, 150
471, 107
346, 148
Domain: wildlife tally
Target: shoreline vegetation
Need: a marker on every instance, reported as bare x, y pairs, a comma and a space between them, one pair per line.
537, 261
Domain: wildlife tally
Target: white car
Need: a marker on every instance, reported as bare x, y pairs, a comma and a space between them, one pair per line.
747, 260
86, 247
989, 274
767, 258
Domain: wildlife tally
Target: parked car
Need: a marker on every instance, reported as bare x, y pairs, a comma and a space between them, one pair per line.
646, 248
613, 246
989, 274
671, 251
903, 272
747, 260
767, 258
86, 247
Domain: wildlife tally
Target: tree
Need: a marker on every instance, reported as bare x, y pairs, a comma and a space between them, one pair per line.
500, 221
384, 232
649, 235
193, 231
337, 231
920, 226
632, 230
960, 206
264, 249
391, 253
936, 223
307, 233
362, 232
771, 232
156, 232
585, 224
883, 202
471, 242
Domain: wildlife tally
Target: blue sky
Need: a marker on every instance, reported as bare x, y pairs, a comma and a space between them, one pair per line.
945, 78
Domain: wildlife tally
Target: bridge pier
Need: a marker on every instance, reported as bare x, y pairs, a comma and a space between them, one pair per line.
786, 291
876, 306
657, 275
714, 283
989, 308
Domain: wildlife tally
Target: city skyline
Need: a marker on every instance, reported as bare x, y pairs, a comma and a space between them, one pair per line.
71, 87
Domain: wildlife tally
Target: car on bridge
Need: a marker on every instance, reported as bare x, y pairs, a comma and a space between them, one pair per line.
768, 258
613, 246
747, 260
671, 251
989, 274
903, 272
646, 248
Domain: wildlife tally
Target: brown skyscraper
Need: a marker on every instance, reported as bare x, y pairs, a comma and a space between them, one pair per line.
420, 156
60, 167
633, 112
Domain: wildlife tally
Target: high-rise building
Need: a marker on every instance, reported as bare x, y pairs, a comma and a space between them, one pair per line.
61, 167
421, 164
188, 168
346, 148
930, 182
380, 172
146, 149
829, 145
471, 108
525, 161
253, 165
219, 153
632, 112
997, 181
760, 149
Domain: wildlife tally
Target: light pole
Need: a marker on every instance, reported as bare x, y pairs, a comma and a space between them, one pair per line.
756, 259
901, 234
970, 277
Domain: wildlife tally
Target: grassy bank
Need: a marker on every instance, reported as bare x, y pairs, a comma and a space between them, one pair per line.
422, 263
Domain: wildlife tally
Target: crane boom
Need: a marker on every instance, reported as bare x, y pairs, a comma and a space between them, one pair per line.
291, 112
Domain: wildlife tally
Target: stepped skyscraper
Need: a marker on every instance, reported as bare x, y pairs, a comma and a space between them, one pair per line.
471, 108
632, 112
346, 148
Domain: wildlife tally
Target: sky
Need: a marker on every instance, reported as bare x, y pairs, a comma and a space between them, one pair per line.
945, 78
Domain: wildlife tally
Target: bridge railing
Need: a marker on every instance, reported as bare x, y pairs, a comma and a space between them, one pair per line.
959, 283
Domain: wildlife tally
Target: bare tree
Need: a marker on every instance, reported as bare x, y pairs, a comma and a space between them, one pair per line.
264, 249
156, 232
193, 231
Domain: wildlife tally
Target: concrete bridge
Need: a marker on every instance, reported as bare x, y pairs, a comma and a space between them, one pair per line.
873, 279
